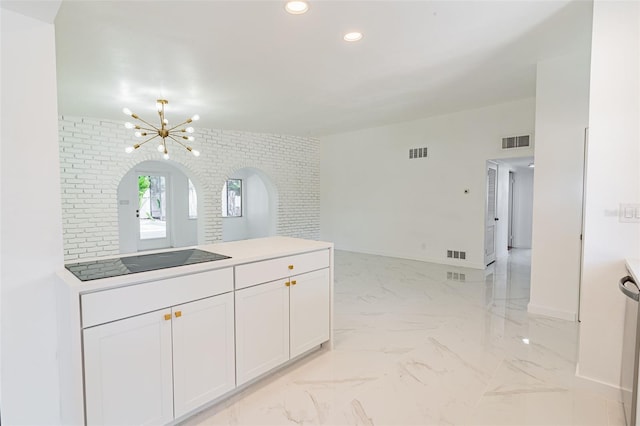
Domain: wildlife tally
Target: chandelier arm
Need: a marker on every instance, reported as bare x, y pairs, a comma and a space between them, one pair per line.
146, 128
151, 138
176, 126
183, 145
149, 124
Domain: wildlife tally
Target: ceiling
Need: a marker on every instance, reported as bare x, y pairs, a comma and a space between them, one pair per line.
249, 65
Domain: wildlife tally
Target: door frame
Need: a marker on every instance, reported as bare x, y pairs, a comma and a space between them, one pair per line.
512, 179
489, 259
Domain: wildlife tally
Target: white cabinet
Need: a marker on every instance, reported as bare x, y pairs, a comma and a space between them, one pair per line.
281, 319
203, 352
153, 348
262, 329
152, 368
309, 311
128, 377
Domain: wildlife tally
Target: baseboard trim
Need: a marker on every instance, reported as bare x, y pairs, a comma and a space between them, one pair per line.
553, 313
608, 390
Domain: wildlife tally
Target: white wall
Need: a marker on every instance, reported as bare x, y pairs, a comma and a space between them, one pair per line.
183, 230
613, 177
93, 161
31, 244
375, 200
562, 108
522, 207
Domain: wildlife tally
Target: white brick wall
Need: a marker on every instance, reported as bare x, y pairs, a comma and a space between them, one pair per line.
93, 161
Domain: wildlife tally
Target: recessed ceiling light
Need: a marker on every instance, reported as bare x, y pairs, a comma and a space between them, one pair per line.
353, 36
296, 7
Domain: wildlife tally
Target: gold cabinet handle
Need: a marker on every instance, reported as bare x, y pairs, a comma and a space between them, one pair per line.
287, 283
293, 282
167, 317
290, 267
178, 314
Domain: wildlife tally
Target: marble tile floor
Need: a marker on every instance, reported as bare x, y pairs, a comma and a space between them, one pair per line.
419, 343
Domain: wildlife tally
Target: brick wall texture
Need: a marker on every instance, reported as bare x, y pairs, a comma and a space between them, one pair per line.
93, 161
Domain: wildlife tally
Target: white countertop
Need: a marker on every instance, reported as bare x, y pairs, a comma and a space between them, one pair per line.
633, 266
245, 251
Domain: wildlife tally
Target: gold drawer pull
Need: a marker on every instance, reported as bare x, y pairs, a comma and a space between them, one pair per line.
290, 267
293, 282
167, 317
287, 283
178, 314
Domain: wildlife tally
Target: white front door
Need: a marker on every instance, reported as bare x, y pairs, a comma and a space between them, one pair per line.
153, 211
490, 214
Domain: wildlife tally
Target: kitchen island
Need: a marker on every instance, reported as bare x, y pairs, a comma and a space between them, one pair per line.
156, 347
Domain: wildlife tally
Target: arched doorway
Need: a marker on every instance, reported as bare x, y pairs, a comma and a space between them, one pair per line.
249, 205
157, 207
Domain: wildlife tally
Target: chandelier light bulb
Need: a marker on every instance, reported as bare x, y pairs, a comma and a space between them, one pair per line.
160, 148
195, 117
129, 125
138, 134
190, 129
190, 138
127, 111
128, 149
166, 156
165, 121
195, 152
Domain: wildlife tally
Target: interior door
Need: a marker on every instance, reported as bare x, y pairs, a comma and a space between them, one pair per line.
490, 215
152, 213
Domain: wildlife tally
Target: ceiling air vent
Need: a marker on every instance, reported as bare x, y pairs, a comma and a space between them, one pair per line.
417, 153
516, 142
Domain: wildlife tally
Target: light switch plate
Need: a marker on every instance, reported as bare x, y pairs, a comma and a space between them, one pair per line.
629, 213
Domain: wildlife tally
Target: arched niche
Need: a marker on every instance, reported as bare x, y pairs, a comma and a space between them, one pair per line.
259, 206
183, 229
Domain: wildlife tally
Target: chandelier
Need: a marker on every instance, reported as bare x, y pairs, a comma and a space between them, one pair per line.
175, 133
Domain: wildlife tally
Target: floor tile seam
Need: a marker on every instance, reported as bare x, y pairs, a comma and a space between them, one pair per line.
476, 405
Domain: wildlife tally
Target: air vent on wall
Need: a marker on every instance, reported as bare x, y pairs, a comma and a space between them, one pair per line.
516, 142
418, 153
455, 254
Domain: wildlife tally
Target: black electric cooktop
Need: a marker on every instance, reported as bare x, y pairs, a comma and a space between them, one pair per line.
87, 271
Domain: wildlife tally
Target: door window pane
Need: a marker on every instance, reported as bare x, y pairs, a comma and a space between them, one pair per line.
193, 201
232, 198
152, 201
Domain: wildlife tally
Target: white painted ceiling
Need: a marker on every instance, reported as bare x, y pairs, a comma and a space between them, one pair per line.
249, 65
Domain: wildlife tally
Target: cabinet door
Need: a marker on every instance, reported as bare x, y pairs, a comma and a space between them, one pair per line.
203, 351
309, 304
128, 374
262, 329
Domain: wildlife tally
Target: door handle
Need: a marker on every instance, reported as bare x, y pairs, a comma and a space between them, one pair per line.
633, 294
496, 219
138, 213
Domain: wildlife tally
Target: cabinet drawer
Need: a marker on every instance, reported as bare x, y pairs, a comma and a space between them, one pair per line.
269, 270
110, 305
